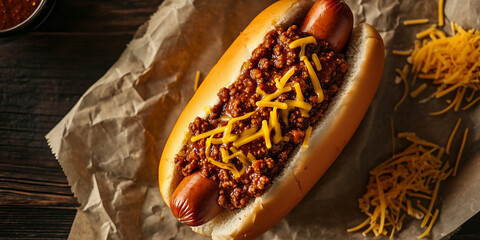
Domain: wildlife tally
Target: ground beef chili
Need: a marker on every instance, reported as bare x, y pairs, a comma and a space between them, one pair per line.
270, 60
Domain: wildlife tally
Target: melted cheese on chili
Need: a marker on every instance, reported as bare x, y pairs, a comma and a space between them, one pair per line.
273, 124
314, 78
302, 42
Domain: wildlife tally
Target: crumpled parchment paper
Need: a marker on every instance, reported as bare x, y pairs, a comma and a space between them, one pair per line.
109, 144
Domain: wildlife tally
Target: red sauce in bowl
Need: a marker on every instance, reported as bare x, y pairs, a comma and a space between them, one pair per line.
15, 12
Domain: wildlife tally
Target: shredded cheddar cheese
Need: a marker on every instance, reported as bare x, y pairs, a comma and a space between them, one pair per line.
225, 118
217, 141
229, 166
228, 128
261, 92
244, 159
448, 62
461, 151
276, 94
285, 78
403, 76
266, 134
244, 140
440, 13
425, 33
419, 90
314, 78
307, 137
197, 81
450, 139
383, 206
415, 21
392, 131
318, 65
413, 175
276, 126
207, 134
298, 104
248, 132
402, 53
300, 97
302, 42
471, 103
279, 105
363, 224
435, 215
250, 157
430, 206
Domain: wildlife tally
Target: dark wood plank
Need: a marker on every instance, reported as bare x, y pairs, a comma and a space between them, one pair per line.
99, 16
25, 222
42, 75
38, 89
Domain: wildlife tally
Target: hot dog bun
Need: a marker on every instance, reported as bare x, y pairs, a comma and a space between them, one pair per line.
365, 56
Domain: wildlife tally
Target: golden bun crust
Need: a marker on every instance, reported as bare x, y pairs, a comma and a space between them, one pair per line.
365, 56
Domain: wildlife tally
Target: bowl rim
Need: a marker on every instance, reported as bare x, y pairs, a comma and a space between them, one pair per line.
27, 21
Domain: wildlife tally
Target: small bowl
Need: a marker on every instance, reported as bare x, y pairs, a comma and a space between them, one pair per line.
38, 16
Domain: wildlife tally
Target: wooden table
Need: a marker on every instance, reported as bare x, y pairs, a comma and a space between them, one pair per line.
42, 75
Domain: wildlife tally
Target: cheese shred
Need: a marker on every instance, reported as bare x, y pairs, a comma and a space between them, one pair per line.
415, 21
402, 53
197, 81
207, 134
302, 42
266, 134
307, 137
435, 215
450, 139
276, 126
314, 78
279, 105
318, 65
383, 206
363, 224
403, 76
461, 151
419, 90
440, 13
392, 128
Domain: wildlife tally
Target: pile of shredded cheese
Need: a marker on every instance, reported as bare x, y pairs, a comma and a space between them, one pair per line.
280, 109
451, 63
407, 184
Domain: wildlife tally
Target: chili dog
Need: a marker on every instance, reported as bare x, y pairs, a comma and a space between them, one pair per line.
331, 21
194, 199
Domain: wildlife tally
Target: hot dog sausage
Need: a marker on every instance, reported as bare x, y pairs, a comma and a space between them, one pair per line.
329, 20
194, 201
